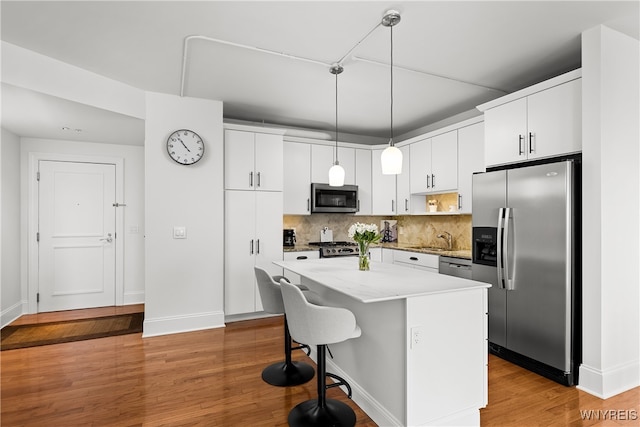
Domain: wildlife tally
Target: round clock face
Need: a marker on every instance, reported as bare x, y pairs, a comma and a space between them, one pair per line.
185, 147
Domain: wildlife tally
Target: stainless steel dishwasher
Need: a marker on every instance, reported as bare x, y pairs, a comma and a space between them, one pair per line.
458, 267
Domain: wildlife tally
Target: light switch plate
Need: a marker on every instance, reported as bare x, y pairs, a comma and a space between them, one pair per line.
179, 232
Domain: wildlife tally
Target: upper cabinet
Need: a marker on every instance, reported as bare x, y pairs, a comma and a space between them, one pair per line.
403, 183
363, 180
297, 178
434, 164
470, 161
253, 161
383, 188
538, 122
323, 157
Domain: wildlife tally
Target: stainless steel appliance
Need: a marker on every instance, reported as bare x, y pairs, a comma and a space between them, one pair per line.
288, 237
457, 267
526, 229
334, 249
327, 199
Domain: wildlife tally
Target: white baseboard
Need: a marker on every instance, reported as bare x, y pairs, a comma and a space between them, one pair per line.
609, 382
134, 298
12, 313
178, 324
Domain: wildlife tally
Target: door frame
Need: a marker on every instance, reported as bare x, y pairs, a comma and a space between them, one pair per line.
32, 214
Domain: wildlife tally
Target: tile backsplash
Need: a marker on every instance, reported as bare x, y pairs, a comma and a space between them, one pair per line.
413, 230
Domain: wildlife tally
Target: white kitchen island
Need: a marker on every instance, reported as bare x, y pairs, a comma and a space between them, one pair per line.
422, 356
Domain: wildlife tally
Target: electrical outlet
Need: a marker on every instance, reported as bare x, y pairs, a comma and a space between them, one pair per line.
416, 336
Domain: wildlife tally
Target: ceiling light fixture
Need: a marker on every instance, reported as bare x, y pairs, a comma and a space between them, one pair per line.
391, 158
336, 172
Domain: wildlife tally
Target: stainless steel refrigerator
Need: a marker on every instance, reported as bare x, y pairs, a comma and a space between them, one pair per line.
526, 228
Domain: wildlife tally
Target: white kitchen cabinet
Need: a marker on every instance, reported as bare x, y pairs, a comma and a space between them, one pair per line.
322, 158
297, 178
299, 256
427, 262
470, 161
253, 161
253, 236
434, 164
543, 124
403, 183
383, 188
363, 180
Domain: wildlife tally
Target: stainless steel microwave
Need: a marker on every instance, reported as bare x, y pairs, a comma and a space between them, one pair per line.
327, 199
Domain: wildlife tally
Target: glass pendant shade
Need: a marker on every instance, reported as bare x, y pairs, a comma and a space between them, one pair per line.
336, 175
391, 160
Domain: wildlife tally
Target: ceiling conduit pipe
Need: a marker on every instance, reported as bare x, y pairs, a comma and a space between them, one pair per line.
257, 49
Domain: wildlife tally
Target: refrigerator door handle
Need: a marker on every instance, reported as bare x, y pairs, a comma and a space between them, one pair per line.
500, 267
505, 262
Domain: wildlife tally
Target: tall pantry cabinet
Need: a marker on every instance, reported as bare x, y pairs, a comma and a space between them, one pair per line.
253, 213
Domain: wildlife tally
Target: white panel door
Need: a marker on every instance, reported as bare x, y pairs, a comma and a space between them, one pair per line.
363, 180
444, 162
76, 252
297, 178
239, 153
322, 158
420, 166
269, 161
240, 248
384, 188
505, 131
268, 210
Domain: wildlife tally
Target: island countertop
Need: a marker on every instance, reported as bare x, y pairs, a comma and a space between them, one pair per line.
384, 282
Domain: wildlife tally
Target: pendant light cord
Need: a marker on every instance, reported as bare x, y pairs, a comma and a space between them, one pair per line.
336, 160
391, 144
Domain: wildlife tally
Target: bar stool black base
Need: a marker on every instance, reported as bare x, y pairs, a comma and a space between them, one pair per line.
334, 413
283, 375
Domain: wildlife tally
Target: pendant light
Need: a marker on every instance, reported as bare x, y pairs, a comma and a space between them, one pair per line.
336, 172
391, 158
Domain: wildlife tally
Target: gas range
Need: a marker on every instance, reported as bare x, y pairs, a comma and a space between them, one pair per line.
333, 249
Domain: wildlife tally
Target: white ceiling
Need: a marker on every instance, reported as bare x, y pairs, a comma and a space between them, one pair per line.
462, 54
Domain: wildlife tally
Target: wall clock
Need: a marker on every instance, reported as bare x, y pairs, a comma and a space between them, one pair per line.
185, 147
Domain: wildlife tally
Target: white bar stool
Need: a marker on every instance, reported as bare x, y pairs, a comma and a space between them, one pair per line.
319, 325
287, 373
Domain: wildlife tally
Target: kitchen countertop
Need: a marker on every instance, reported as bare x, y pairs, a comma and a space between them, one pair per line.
385, 282
463, 254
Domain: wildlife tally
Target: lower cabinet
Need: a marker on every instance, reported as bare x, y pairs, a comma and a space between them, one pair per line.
427, 262
300, 256
253, 236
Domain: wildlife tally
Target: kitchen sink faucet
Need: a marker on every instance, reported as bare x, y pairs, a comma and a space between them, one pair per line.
446, 235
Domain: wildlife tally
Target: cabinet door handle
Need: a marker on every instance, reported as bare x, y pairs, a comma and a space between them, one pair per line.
520, 142
250, 179
459, 201
257, 246
531, 148
413, 258
428, 186
358, 205
406, 205
393, 205
433, 181
302, 257
308, 205
251, 248
258, 180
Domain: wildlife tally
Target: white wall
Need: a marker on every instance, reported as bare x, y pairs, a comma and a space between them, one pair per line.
11, 298
184, 277
611, 212
133, 269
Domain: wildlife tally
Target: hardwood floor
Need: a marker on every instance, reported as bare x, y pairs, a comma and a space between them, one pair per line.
213, 378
